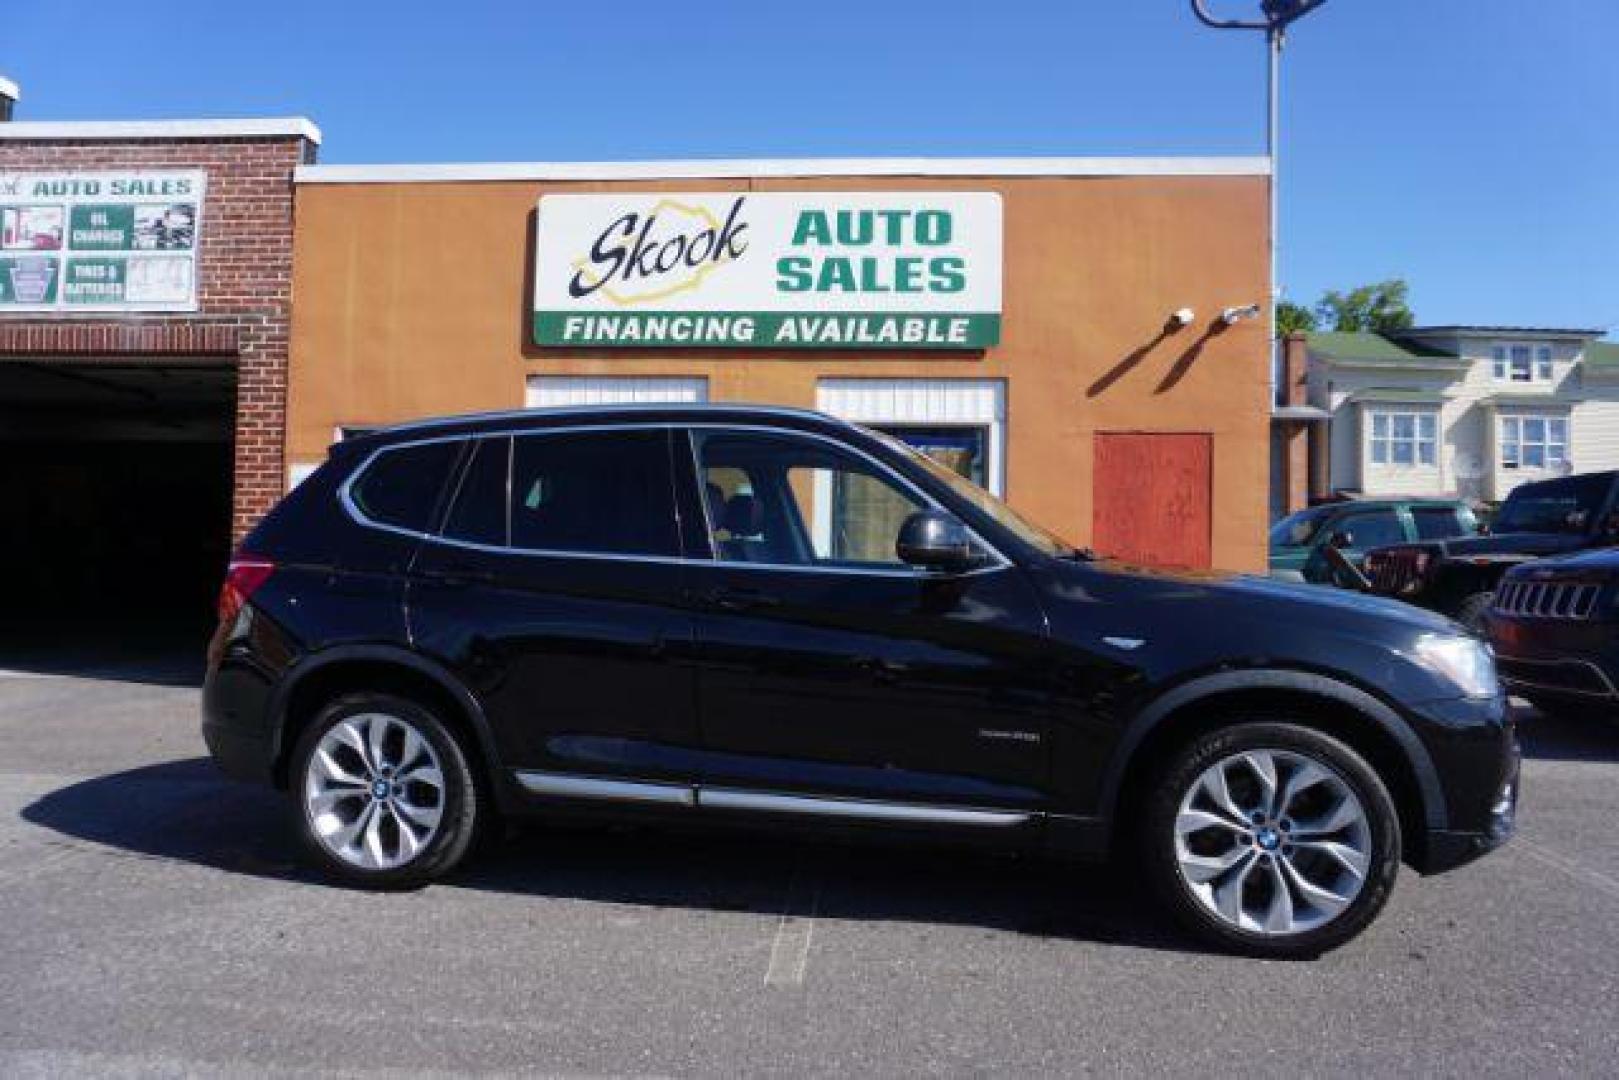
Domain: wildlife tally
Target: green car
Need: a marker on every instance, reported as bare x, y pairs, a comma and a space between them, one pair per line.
1298, 543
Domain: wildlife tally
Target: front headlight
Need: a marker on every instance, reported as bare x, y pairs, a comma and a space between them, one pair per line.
1464, 662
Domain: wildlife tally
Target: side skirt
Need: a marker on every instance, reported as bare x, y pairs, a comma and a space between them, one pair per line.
600, 789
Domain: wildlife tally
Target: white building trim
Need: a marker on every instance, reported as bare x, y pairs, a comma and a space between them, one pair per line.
69, 130
561, 391
776, 168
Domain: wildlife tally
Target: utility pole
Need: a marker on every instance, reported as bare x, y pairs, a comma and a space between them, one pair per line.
1278, 16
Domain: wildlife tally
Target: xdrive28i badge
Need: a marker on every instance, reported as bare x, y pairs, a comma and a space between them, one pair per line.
832, 270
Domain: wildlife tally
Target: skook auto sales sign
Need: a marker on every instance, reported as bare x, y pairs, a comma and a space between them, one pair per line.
775, 270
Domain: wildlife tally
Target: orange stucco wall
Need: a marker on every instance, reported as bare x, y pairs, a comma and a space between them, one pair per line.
412, 299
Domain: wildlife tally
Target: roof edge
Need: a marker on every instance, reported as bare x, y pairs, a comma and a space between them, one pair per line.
763, 168
1502, 331
74, 130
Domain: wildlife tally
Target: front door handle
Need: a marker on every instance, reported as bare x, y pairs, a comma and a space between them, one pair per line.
733, 599
457, 577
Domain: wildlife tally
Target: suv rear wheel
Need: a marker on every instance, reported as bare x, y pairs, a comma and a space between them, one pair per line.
1272, 839
385, 795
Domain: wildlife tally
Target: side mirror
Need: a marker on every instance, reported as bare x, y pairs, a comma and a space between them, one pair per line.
1341, 539
935, 540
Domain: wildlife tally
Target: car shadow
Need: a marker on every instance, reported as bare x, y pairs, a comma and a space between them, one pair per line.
1583, 735
185, 811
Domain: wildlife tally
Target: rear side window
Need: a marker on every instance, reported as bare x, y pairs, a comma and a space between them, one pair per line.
1437, 522
1375, 528
604, 492
401, 487
478, 514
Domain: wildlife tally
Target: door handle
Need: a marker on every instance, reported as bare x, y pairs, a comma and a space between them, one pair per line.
457, 577
732, 599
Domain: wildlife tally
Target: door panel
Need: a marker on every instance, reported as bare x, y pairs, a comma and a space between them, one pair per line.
826, 665
1152, 498
581, 659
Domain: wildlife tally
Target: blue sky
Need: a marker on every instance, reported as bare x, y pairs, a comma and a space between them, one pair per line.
1471, 146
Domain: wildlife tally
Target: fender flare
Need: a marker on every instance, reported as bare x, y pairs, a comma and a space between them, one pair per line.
325, 659
1390, 722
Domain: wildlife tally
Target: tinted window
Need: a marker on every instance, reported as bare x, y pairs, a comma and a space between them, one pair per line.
790, 501
1437, 522
478, 513
1569, 505
608, 492
1299, 528
401, 487
1372, 529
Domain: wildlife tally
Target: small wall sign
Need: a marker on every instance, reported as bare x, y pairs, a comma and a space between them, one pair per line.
100, 241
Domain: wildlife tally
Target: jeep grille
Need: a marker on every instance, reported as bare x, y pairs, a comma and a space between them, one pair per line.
1394, 571
1547, 599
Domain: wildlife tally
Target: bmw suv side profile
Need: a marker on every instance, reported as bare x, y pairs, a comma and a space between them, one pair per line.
745, 615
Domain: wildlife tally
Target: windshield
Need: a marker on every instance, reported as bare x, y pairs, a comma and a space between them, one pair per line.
1298, 529
1564, 506
1044, 540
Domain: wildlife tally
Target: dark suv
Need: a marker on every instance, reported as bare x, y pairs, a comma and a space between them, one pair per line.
1555, 626
1458, 577
743, 614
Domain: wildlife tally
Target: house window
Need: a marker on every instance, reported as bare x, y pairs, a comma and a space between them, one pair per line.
1534, 442
1404, 438
1522, 363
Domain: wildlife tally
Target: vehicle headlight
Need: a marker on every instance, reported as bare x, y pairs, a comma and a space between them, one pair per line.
1465, 662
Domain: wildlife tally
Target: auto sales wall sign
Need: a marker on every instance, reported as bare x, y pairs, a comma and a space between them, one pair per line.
100, 241
776, 270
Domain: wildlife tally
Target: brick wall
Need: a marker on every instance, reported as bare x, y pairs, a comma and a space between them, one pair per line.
244, 287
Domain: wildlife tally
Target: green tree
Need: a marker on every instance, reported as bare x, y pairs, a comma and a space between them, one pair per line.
1292, 318
1379, 308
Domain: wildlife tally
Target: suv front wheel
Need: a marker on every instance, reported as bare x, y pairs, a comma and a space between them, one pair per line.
386, 798
1272, 839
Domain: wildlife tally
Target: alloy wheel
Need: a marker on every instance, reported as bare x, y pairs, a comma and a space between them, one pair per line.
1273, 842
374, 791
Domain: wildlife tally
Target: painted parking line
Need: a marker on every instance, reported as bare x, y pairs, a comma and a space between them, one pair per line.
795, 929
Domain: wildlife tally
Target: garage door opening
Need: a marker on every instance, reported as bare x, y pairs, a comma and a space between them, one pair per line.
117, 482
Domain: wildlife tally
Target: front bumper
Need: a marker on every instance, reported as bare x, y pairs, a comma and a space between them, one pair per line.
1574, 660
1446, 849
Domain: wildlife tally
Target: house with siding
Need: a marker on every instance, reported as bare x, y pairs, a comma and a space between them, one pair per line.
1464, 411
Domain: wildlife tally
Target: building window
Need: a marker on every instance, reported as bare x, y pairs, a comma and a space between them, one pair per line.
1534, 442
1404, 438
960, 423
1522, 363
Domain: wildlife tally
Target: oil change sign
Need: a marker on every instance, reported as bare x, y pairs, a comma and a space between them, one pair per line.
778, 270
100, 241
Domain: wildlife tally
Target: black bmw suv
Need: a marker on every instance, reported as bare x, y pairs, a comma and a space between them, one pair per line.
745, 614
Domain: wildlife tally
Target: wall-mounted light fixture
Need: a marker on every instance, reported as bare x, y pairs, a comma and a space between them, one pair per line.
1233, 315
1182, 317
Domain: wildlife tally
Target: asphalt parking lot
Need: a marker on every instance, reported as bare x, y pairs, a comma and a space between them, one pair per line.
155, 920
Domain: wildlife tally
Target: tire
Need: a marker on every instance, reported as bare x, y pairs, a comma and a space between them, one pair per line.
1237, 908
1470, 612
423, 796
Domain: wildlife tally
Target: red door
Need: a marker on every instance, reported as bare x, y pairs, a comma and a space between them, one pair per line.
1152, 497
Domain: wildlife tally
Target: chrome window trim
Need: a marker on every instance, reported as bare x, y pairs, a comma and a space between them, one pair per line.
345, 498
626, 408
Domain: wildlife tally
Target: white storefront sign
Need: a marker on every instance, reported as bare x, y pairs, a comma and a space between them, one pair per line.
774, 270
